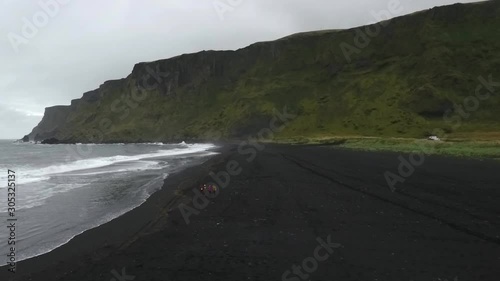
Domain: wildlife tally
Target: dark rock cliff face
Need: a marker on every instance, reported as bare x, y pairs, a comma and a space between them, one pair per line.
54, 118
398, 83
57, 118
195, 75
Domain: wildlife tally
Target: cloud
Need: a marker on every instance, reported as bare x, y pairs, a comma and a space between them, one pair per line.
16, 123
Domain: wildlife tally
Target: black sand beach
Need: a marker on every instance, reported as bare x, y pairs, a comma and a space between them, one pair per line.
442, 223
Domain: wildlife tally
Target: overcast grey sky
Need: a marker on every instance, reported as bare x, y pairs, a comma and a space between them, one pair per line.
73, 46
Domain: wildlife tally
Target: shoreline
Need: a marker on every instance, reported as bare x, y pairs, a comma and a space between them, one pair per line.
96, 225
109, 235
462, 146
66, 229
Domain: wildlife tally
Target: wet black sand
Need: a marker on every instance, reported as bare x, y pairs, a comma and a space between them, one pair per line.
443, 222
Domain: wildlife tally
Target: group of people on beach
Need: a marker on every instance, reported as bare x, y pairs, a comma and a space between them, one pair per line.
208, 188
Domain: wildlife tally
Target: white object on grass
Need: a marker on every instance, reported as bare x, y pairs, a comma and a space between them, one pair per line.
434, 138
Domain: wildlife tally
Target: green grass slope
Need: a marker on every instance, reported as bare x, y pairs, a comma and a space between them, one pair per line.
401, 84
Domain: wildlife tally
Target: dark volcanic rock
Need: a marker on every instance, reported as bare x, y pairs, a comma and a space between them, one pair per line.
53, 120
51, 141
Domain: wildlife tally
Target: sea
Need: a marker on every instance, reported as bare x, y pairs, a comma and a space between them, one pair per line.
63, 190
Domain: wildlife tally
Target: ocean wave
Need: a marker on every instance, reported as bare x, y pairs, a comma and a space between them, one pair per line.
144, 192
37, 198
30, 175
138, 166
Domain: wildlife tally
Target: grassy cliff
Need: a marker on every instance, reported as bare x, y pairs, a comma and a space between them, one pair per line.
409, 76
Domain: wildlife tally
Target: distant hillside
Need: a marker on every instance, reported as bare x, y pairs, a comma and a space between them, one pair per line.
401, 84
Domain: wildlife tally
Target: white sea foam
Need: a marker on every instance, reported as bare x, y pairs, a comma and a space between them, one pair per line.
39, 174
37, 197
137, 166
145, 191
59, 189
